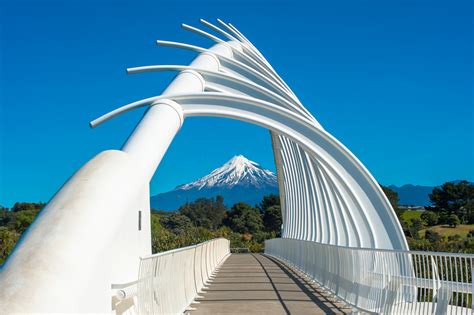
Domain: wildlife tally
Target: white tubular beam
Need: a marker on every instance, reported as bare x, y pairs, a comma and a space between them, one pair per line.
88, 237
85, 239
91, 234
153, 135
235, 67
151, 138
365, 199
239, 55
229, 84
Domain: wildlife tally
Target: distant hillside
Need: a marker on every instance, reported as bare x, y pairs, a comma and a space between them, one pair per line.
415, 195
243, 180
237, 180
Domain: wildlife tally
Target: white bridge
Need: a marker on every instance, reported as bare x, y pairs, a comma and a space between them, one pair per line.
89, 250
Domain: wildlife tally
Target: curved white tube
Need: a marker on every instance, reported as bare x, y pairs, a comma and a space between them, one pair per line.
238, 53
327, 195
217, 104
223, 78
249, 72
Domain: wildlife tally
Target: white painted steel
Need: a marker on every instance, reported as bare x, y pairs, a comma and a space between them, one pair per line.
327, 195
328, 198
148, 155
85, 239
88, 237
334, 167
168, 282
383, 281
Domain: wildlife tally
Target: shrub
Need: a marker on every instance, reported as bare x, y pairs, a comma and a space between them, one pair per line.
433, 237
255, 247
8, 239
430, 218
454, 238
177, 223
453, 221
415, 227
244, 218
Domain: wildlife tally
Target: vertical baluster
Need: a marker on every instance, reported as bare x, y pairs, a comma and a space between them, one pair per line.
472, 283
456, 302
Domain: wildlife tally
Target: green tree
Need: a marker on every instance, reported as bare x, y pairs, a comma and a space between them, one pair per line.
468, 209
405, 226
159, 212
204, 212
430, 218
236, 240
161, 238
454, 198
268, 201
244, 218
22, 206
453, 220
272, 219
177, 223
415, 227
271, 212
433, 237
392, 197
23, 219
454, 238
471, 233
8, 239
5, 216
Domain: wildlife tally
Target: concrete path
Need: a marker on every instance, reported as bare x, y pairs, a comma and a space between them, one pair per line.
257, 284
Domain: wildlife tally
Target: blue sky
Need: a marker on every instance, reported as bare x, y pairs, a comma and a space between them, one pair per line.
393, 80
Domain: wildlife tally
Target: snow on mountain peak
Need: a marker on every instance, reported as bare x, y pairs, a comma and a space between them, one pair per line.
238, 171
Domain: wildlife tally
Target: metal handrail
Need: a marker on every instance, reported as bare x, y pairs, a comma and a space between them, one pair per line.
382, 280
176, 250
418, 252
168, 282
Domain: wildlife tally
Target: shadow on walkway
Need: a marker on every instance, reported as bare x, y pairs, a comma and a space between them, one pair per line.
258, 284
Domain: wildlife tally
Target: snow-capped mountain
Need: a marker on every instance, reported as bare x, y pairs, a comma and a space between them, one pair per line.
237, 171
237, 180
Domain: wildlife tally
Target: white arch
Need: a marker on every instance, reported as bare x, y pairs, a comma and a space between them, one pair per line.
382, 229
327, 195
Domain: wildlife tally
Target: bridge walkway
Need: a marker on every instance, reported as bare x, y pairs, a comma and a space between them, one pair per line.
258, 284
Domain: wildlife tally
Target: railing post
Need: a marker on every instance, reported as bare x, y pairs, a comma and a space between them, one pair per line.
383, 281
173, 281
472, 283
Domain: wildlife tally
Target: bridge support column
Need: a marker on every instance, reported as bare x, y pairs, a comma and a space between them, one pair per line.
93, 231
153, 135
151, 138
85, 239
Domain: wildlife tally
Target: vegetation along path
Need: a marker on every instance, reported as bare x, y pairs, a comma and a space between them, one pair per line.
258, 284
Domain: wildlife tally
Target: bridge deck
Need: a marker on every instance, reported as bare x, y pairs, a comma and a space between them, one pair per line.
257, 284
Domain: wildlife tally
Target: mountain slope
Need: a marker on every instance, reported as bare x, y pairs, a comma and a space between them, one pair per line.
413, 195
237, 180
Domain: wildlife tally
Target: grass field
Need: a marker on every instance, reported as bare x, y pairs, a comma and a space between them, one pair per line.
445, 230
411, 214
